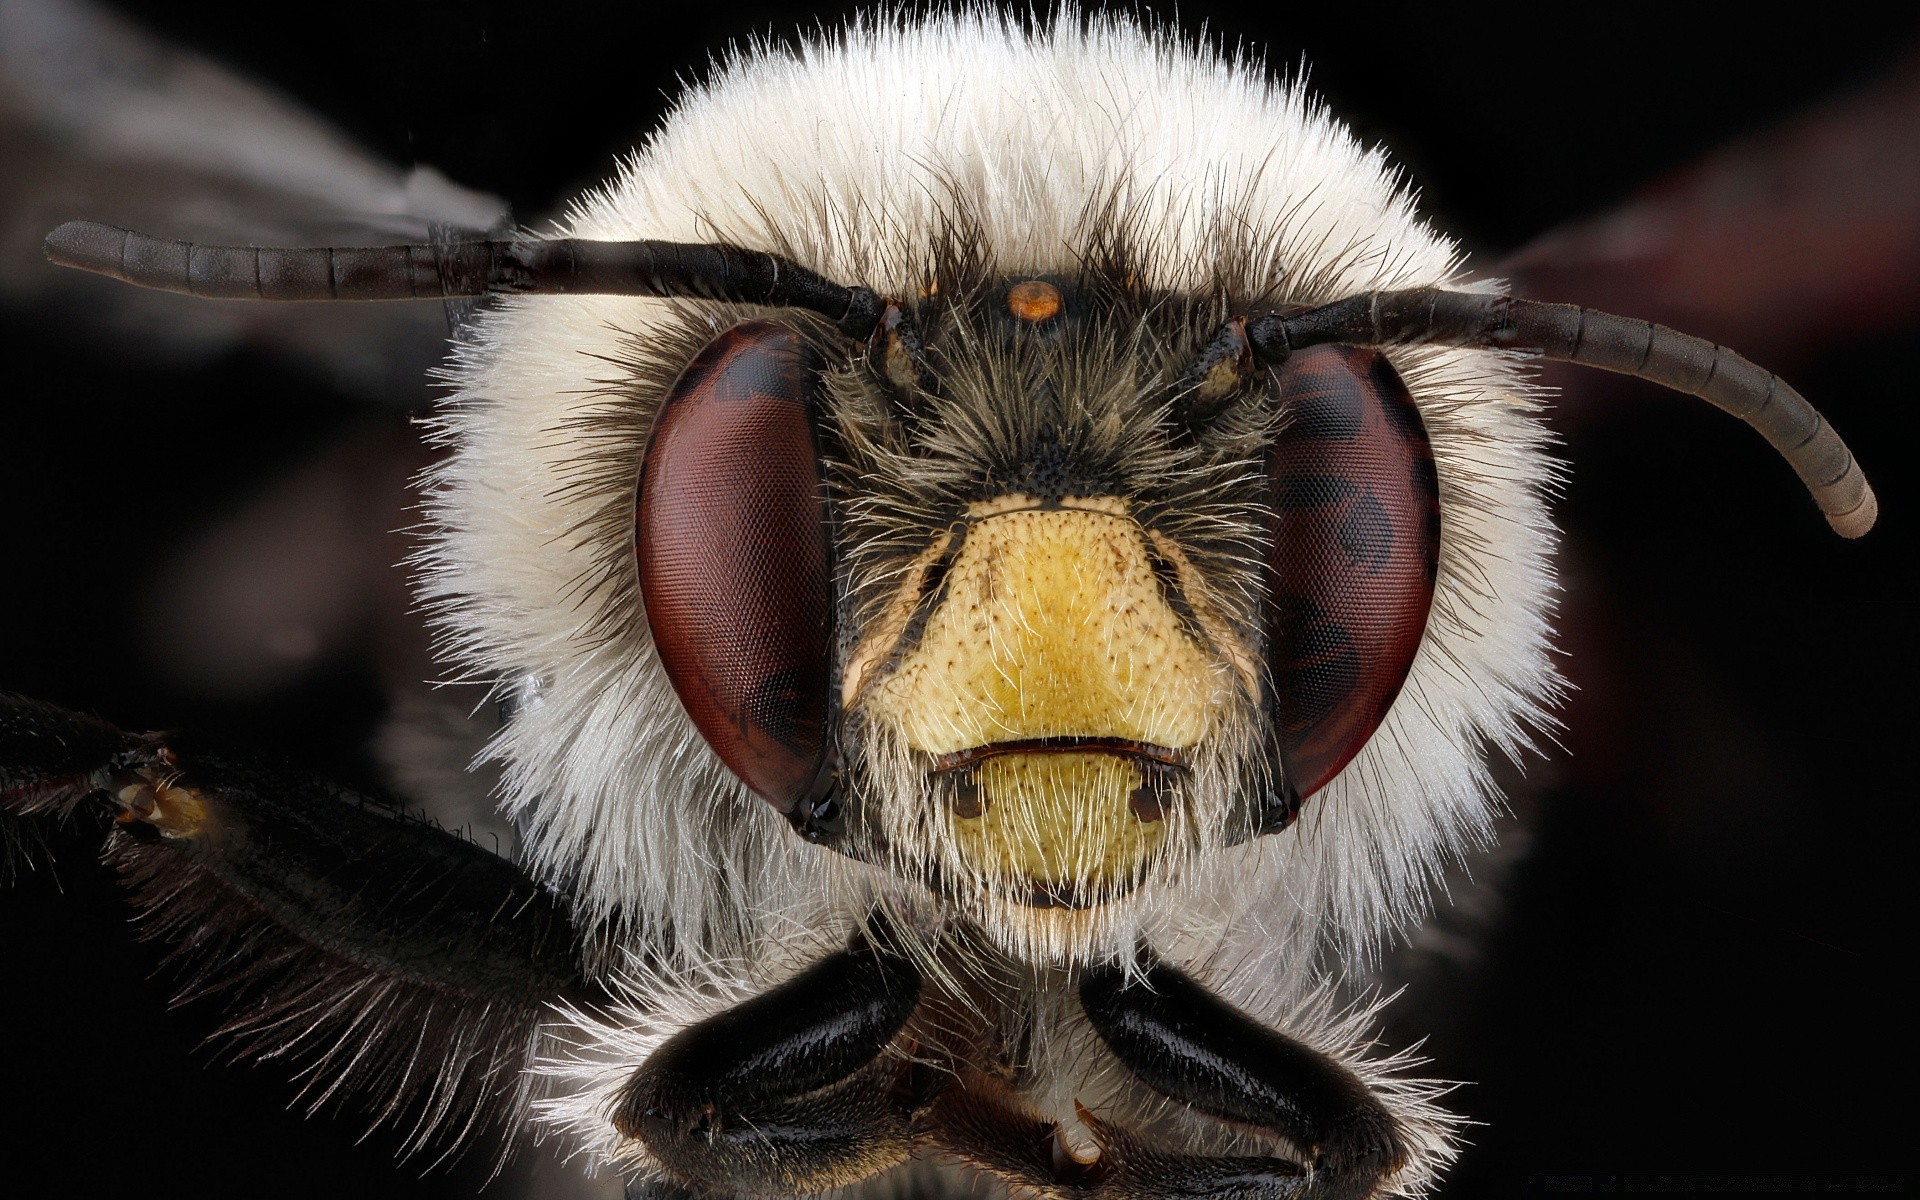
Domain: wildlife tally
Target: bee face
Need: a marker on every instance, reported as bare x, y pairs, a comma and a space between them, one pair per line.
1050, 693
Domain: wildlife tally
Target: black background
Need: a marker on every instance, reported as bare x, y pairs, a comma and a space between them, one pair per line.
1692, 986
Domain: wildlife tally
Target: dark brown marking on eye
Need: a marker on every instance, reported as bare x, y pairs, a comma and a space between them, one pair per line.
731, 533
1338, 408
1297, 493
1356, 537
1322, 667
1366, 533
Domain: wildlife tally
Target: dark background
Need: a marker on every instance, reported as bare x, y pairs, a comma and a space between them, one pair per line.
1689, 988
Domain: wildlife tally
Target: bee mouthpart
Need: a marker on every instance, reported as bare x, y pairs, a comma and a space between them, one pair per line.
1144, 753
1066, 895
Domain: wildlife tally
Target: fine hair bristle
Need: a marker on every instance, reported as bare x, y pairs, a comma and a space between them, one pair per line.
444, 1070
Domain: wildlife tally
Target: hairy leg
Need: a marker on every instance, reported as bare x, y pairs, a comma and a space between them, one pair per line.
402, 961
789, 1092
1188, 1044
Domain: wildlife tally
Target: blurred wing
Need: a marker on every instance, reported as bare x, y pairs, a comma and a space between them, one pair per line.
100, 120
1779, 244
1788, 245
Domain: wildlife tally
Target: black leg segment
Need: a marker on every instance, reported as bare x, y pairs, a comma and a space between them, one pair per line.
399, 961
787, 1093
52, 758
1188, 1044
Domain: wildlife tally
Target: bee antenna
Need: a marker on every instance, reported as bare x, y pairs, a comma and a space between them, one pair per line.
523, 266
1569, 333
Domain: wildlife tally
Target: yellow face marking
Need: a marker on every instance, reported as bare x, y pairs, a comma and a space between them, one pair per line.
1053, 625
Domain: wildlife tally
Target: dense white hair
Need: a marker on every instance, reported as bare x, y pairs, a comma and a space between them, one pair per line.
848, 153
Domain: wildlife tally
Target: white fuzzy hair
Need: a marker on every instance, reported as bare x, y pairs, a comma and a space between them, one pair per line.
846, 154
594, 1051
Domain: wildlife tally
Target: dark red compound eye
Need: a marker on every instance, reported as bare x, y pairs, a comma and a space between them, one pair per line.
735, 560
1356, 548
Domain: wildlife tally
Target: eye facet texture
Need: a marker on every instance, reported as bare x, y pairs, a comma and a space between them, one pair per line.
735, 562
1356, 548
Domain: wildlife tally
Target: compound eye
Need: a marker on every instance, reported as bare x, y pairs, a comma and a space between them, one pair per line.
735, 561
1356, 548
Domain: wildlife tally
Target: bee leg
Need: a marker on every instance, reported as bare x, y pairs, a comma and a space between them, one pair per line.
789, 1092
52, 759
393, 956
1188, 1044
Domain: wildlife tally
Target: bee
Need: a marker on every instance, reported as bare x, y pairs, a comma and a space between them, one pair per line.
986, 625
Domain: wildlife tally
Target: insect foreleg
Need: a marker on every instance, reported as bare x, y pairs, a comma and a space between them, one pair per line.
789, 1092
51, 759
1188, 1044
387, 952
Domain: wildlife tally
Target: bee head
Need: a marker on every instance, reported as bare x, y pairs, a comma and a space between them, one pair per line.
1053, 599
